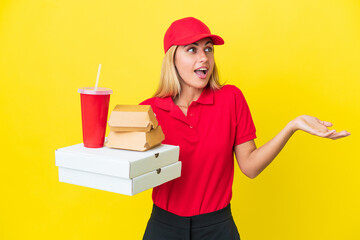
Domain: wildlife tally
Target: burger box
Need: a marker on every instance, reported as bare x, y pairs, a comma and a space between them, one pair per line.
134, 127
116, 170
139, 141
132, 118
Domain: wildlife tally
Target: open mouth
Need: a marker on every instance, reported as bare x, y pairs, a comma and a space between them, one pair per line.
201, 72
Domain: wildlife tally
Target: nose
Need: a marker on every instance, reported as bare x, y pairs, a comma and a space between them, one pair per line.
202, 56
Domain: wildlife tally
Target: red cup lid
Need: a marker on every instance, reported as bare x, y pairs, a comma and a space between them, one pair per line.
91, 91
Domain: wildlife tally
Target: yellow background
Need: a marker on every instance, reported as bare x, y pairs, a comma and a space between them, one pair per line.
288, 57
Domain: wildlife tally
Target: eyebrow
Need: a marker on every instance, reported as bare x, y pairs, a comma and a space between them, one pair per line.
195, 43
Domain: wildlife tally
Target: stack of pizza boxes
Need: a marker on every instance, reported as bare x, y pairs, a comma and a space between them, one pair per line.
134, 127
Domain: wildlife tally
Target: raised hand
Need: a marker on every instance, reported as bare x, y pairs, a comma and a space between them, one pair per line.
317, 127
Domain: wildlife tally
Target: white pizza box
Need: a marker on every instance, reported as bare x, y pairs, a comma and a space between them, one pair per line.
115, 170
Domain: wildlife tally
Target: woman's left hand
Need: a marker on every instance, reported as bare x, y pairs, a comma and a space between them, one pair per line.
317, 127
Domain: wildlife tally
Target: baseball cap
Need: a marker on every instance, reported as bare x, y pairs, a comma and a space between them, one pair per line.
188, 30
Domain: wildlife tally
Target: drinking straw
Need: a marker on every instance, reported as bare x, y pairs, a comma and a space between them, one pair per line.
97, 78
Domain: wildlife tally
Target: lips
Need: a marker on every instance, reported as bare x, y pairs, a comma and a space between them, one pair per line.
201, 72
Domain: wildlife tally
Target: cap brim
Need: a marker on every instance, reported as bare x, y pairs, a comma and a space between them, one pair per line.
217, 40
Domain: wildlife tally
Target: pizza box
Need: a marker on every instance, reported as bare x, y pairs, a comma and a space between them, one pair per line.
116, 170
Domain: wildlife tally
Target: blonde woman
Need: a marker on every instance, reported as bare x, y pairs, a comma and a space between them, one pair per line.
209, 122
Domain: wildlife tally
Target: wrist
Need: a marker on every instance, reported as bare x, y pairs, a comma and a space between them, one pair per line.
292, 126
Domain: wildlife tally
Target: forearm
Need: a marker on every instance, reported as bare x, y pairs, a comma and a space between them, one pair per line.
261, 157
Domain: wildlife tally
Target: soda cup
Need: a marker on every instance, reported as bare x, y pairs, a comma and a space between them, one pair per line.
94, 112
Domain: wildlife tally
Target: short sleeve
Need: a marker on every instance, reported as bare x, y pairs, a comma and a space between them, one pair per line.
245, 128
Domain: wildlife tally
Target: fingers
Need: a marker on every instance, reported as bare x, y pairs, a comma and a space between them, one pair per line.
327, 124
339, 135
332, 134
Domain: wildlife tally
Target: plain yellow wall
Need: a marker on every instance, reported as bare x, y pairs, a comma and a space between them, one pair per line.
288, 57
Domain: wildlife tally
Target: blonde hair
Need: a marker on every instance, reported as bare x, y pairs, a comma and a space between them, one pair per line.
169, 84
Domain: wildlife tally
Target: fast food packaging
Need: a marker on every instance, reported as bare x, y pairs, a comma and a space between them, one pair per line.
116, 170
134, 127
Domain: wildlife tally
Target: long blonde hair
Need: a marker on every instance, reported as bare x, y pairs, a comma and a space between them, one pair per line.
169, 84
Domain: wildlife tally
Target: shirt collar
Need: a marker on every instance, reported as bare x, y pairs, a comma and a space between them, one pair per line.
206, 97
167, 103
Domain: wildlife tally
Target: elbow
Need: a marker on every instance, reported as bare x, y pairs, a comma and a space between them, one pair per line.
249, 170
250, 175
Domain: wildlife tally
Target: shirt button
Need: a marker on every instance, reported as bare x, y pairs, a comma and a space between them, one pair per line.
191, 114
191, 126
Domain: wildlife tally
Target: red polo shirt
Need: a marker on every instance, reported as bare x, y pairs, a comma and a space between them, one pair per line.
214, 124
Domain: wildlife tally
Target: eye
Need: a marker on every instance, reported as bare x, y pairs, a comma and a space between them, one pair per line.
192, 49
208, 49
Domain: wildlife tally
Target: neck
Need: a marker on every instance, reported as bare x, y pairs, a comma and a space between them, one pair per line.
187, 96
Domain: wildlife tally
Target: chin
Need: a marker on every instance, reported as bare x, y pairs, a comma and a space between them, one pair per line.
201, 83
197, 83
199, 86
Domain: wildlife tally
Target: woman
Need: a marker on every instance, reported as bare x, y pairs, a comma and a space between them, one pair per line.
209, 122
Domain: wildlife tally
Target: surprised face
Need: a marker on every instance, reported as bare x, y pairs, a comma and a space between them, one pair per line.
195, 63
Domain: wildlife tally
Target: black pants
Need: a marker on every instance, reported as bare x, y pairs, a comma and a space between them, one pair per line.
164, 225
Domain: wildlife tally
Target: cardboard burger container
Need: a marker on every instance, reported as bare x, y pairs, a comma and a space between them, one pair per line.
115, 170
134, 127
